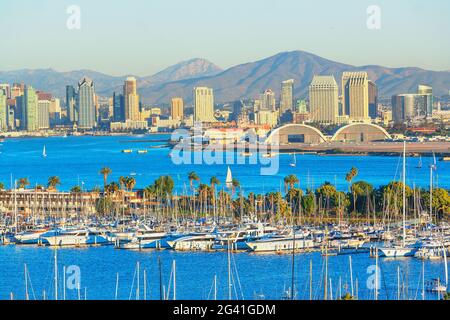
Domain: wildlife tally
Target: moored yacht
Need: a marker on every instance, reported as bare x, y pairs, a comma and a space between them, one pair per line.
76, 237
193, 242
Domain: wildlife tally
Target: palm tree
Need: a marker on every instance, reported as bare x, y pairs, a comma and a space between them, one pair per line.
105, 171
23, 182
192, 176
112, 187
2, 186
350, 175
75, 189
214, 181
122, 182
53, 182
234, 184
290, 180
130, 183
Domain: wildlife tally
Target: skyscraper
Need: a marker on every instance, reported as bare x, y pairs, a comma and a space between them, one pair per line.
3, 111
118, 108
355, 92
43, 114
373, 100
85, 103
267, 101
323, 99
6, 88
177, 108
131, 100
71, 104
403, 106
30, 110
287, 99
203, 104
427, 93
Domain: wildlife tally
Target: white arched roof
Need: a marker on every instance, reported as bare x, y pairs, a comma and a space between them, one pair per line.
387, 135
274, 132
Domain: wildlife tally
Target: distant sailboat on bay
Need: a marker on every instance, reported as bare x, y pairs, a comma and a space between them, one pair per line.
419, 165
229, 180
294, 161
44, 153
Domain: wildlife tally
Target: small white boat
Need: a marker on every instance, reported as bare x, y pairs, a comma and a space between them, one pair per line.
280, 244
44, 153
30, 236
197, 242
76, 237
146, 239
397, 251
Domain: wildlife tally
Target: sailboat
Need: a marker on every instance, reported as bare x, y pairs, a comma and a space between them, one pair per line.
402, 250
44, 153
419, 165
294, 161
433, 165
229, 179
436, 285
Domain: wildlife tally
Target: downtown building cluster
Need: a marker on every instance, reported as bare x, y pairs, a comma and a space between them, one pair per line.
22, 108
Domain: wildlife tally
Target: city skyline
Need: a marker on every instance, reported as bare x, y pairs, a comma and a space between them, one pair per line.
158, 44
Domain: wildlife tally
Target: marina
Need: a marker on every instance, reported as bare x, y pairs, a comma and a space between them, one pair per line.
147, 233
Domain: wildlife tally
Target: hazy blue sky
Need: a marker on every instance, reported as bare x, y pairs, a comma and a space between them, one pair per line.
144, 36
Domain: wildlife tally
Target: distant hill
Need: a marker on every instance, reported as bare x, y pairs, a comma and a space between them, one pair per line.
193, 68
241, 81
249, 79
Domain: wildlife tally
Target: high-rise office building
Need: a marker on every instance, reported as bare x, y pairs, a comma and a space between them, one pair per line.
413, 107
3, 111
71, 104
287, 99
267, 101
43, 114
86, 104
6, 89
118, 108
177, 108
323, 99
427, 93
30, 110
17, 90
373, 100
403, 106
203, 104
131, 99
355, 92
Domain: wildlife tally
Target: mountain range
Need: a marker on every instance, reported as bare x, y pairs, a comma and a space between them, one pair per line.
242, 81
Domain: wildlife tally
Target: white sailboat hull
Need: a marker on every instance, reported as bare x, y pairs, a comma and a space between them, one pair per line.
279, 245
397, 252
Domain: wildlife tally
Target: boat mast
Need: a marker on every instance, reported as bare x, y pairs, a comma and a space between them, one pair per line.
404, 193
229, 271
174, 280
26, 282
293, 262
56, 274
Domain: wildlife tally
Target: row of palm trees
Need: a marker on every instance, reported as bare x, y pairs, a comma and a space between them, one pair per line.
22, 183
361, 196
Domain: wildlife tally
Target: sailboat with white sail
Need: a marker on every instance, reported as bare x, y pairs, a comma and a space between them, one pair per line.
402, 250
419, 165
44, 153
294, 161
229, 179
